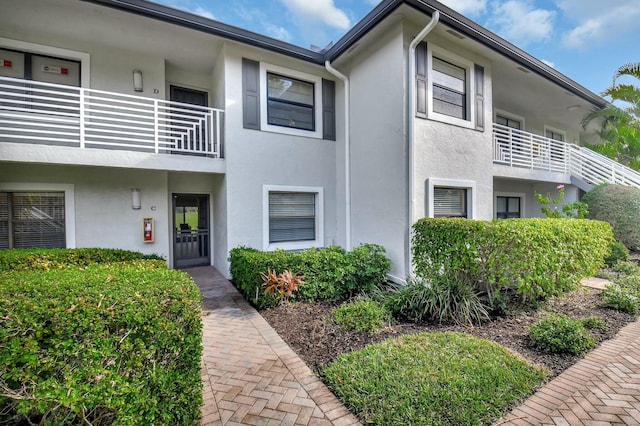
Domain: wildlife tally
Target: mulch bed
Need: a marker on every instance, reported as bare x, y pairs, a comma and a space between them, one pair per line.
309, 331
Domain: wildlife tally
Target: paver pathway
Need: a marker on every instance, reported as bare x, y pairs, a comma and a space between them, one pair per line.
250, 375
601, 389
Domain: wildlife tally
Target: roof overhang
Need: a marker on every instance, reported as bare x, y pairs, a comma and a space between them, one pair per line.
383, 10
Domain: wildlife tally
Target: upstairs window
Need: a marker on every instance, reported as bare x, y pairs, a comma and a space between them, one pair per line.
290, 102
449, 89
508, 122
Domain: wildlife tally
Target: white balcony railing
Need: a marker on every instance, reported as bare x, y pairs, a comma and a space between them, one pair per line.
52, 114
516, 148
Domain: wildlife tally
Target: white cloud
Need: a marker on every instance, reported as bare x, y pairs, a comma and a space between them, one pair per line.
323, 10
598, 21
520, 22
277, 32
467, 7
204, 12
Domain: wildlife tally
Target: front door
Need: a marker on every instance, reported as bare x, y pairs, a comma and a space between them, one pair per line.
191, 230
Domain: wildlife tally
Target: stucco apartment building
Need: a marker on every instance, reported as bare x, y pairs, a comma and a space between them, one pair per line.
128, 124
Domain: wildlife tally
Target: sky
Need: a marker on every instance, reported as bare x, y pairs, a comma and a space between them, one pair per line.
587, 40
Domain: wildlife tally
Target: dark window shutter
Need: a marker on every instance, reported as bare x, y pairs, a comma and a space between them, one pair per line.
421, 80
479, 73
328, 110
250, 94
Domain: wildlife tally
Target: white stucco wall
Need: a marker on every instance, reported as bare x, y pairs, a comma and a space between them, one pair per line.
256, 158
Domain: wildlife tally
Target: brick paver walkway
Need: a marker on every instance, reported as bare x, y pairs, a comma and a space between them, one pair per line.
601, 389
250, 375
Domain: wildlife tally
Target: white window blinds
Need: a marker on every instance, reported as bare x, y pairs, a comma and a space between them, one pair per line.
32, 219
292, 216
450, 202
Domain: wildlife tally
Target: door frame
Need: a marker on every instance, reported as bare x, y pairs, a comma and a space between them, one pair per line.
200, 240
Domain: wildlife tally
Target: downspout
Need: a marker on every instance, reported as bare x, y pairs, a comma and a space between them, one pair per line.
347, 154
435, 17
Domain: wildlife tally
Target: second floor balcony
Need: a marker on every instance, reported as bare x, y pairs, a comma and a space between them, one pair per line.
33, 112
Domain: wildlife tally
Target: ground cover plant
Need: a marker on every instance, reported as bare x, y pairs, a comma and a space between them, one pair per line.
431, 379
101, 344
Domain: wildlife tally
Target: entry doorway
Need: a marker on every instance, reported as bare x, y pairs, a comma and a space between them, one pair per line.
191, 244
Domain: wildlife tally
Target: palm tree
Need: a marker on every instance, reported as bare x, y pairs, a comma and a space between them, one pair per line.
620, 128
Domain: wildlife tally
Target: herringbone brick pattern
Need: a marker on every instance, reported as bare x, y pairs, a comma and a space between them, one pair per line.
250, 375
601, 389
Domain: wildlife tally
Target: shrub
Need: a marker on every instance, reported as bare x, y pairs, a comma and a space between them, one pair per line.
620, 206
445, 299
361, 315
620, 298
433, 379
45, 259
329, 273
101, 344
558, 333
594, 323
619, 253
282, 286
538, 257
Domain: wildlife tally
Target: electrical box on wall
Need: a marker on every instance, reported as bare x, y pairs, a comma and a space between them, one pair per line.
147, 229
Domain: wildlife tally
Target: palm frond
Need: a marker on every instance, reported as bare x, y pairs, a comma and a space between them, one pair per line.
632, 69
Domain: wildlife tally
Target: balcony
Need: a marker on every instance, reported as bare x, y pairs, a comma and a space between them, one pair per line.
515, 148
33, 112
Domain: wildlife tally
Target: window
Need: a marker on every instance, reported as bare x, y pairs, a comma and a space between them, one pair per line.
508, 207
32, 66
449, 202
556, 135
509, 122
32, 219
290, 102
449, 89
293, 217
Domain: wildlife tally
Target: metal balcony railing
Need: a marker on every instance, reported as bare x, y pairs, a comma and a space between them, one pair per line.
51, 114
516, 148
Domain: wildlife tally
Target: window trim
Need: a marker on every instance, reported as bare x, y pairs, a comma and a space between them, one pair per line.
520, 195
470, 89
555, 130
469, 185
317, 101
319, 222
69, 202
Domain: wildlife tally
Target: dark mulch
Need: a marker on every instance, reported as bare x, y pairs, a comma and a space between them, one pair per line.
309, 331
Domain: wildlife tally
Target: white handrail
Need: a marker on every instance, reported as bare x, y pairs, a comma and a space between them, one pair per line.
93, 118
517, 148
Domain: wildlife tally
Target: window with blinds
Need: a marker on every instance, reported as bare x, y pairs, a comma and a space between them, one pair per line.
449, 89
292, 216
449, 202
32, 219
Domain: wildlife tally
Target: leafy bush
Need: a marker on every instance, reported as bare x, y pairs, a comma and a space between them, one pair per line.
620, 298
619, 253
45, 259
445, 299
620, 206
433, 379
538, 257
101, 344
361, 315
558, 333
329, 273
282, 286
594, 323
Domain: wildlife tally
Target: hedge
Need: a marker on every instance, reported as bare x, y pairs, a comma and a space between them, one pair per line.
620, 206
328, 273
538, 257
101, 344
44, 259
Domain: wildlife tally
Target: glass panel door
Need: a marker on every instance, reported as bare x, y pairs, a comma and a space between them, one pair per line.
191, 230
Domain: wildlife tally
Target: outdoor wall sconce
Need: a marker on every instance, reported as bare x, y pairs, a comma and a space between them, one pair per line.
135, 199
137, 80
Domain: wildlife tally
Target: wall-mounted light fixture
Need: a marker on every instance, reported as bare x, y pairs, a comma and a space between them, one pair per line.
137, 80
136, 198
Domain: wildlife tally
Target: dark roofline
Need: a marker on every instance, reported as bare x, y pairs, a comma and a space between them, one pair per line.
447, 16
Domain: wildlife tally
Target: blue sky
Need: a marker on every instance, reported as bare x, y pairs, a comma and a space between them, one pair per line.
587, 40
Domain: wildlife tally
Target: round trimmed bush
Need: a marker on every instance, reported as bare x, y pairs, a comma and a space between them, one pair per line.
620, 206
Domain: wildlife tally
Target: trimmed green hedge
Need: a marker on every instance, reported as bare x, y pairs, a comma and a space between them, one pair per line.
116, 343
44, 259
620, 206
330, 272
538, 257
